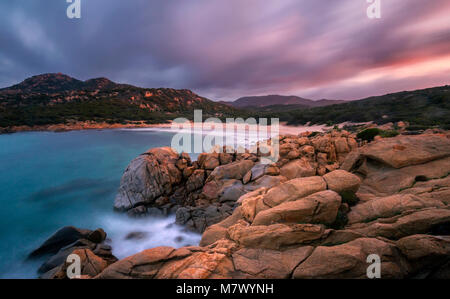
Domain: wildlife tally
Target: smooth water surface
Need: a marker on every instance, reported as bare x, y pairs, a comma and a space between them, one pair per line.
50, 180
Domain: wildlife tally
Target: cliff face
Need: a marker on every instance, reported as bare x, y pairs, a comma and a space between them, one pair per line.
319, 212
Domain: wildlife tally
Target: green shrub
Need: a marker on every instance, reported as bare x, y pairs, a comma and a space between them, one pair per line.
369, 134
416, 128
389, 134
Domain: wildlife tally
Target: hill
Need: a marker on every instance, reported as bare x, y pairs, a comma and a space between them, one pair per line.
57, 99
425, 107
276, 102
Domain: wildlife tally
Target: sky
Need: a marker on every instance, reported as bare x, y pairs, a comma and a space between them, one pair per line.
226, 49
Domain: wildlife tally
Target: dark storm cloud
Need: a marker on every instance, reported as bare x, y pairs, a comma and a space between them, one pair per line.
227, 48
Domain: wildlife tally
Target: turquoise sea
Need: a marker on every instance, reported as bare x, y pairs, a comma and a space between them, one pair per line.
50, 180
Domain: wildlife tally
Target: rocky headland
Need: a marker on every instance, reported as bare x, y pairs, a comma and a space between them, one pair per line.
329, 202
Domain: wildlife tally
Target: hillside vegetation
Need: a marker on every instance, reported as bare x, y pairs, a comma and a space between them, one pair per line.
426, 107
56, 98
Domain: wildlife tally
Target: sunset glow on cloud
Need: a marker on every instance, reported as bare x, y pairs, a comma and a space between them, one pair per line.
227, 49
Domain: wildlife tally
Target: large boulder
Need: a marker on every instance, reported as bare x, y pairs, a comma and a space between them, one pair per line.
94, 254
149, 176
216, 185
297, 169
269, 264
385, 207
342, 181
294, 189
142, 265
231, 190
266, 181
276, 236
90, 266
408, 150
382, 180
413, 222
211, 161
418, 247
200, 265
437, 189
197, 219
63, 237
196, 180
350, 261
236, 170
392, 165
428, 255
218, 231
321, 207
170, 263
252, 203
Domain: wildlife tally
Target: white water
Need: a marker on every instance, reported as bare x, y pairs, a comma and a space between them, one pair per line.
152, 232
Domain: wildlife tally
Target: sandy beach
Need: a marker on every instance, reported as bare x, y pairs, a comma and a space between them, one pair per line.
284, 129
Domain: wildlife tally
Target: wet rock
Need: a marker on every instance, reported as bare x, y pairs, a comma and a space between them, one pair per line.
197, 219
137, 212
97, 236
148, 177
179, 239
93, 253
136, 236
63, 237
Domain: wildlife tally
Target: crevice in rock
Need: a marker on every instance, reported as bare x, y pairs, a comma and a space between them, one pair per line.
441, 229
301, 262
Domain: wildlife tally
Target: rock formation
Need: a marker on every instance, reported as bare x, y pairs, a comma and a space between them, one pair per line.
95, 255
319, 212
204, 192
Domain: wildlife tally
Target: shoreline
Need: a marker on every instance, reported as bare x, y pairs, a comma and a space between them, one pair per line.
90, 125
80, 126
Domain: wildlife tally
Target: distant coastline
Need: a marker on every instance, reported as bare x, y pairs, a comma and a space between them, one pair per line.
91, 125
78, 126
